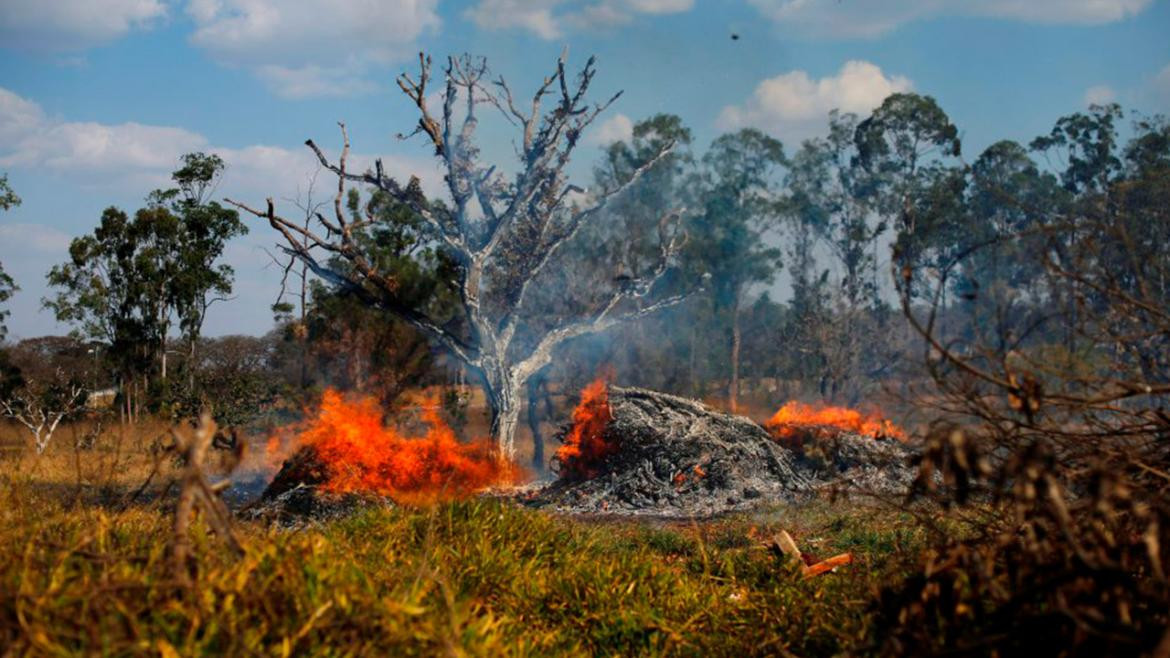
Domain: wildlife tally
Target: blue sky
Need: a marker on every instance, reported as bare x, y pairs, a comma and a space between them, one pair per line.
98, 98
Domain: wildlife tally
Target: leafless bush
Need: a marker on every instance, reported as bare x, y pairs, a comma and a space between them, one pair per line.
1052, 462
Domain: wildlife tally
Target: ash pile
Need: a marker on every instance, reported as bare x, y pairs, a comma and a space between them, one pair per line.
637, 451
633, 451
296, 494
845, 462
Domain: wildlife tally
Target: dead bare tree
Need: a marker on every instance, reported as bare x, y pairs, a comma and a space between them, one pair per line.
41, 405
503, 233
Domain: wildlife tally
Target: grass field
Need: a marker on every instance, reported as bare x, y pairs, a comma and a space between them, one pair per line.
84, 570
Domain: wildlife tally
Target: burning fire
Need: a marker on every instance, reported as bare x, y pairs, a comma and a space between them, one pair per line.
360, 454
795, 422
585, 447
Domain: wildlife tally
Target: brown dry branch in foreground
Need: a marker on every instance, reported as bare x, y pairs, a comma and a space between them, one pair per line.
196, 493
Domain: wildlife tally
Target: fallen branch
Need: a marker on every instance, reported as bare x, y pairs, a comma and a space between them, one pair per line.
787, 546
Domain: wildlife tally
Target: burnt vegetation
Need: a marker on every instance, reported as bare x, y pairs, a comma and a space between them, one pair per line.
1008, 310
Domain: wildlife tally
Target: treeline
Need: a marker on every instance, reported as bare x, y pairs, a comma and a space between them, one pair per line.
881, 215
833, 217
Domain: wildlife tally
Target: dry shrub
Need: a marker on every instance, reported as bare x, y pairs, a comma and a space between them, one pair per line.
1042, 566
1052, 458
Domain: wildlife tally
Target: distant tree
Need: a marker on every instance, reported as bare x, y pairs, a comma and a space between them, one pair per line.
361, 347
204, 230
50, 382
8, 200
624, 243
826, 204
905, 151
739, 186
1008, 196
115, 289
1086, 146
631, 221
236, 381
128, 283
504, 246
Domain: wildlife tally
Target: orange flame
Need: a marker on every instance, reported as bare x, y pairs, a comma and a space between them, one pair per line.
363, 455
585, 447
795, 422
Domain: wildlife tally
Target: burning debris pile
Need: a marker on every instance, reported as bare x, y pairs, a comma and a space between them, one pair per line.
344, 455
831, 442
797, 423
627, 451
635, 451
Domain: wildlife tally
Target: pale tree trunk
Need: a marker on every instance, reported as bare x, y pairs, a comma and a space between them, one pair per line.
694, 375
504, 405
736, 340
191, 364
537, 394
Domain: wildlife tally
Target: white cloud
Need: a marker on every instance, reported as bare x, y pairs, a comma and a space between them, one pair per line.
1086, 12
95, 154
311, 47
315, 81
89, 152
542, 18
70, 25
1100, 95
793, 106
30, 239
1161, 87
120, 163
18, 117
871, 18
535, 16
618, 128
138, 157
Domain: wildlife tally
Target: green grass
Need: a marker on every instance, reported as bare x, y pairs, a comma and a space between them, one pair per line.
480, 577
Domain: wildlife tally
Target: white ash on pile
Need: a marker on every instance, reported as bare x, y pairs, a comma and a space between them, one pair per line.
850, 462
641, 452
673, 457
296, 494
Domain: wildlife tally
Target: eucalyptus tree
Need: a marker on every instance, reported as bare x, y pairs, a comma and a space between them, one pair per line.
505, 233
114, 290
906, 149
204, 229
129, 282
738, 203
8, 200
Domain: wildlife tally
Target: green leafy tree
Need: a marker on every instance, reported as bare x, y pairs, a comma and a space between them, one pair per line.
905, 156
1086, 146
115, 289
205, 227
8, 200
364, 348
130, 281
738, 187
